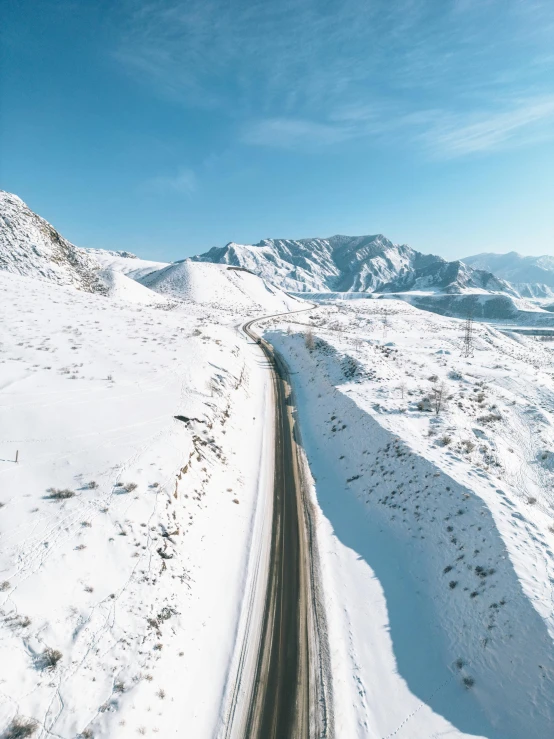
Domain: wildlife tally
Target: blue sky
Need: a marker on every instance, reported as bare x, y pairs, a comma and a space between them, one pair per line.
168, 127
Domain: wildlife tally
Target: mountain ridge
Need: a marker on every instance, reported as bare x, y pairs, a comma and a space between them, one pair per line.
31, 246
341, 263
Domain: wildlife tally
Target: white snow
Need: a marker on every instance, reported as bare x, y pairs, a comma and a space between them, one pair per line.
121, 287
138, 579
436, 532
221, 287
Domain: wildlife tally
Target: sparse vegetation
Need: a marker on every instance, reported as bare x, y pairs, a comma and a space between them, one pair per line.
48, 659
59, 494
20, 728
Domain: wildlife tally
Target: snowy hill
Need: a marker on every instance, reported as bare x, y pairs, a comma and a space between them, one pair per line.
218, 285
117, 285
125, 262
351, 264
30, 246
533, 277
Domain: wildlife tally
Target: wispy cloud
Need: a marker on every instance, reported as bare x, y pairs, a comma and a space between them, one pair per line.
443, 133
290, 133
524, 122
297, 73
183, 182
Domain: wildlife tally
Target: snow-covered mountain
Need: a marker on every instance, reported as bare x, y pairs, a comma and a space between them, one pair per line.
340, 263
352, 264
32, 247
448, 277
533, 277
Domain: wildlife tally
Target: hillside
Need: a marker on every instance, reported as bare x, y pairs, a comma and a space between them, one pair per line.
450, 278
125, 532
30, 246
432, 479
219, 286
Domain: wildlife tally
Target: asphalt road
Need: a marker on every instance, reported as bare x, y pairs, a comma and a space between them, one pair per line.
280, 702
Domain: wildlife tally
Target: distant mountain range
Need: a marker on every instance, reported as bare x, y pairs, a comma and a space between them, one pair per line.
532, 277
30, 246
354, 264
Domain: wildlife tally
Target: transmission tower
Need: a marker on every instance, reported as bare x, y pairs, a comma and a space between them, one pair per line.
468, 345
385, 319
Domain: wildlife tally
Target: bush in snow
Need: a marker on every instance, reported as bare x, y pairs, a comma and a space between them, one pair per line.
130, 486
309, 339
57, 494
425, 404
20, 728
490, 418
48, 659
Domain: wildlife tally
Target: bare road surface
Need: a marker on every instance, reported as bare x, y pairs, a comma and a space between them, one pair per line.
288, 698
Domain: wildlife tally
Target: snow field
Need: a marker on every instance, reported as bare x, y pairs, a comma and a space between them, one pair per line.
436, 530
136, 576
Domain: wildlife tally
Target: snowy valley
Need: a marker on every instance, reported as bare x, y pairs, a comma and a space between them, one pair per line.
137, 464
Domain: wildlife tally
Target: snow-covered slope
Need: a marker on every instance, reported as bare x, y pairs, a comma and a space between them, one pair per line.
450, 278
220, 286
435, 522
533, 277
30, 246
125, 262
118, 285
351, 264
124, 532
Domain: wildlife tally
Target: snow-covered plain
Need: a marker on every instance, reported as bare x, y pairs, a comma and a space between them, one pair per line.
436, 530
124, 532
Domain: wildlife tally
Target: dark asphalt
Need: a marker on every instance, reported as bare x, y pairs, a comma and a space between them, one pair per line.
279, 707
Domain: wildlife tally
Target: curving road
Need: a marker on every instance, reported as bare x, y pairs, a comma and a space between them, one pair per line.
280, 705
282, 689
